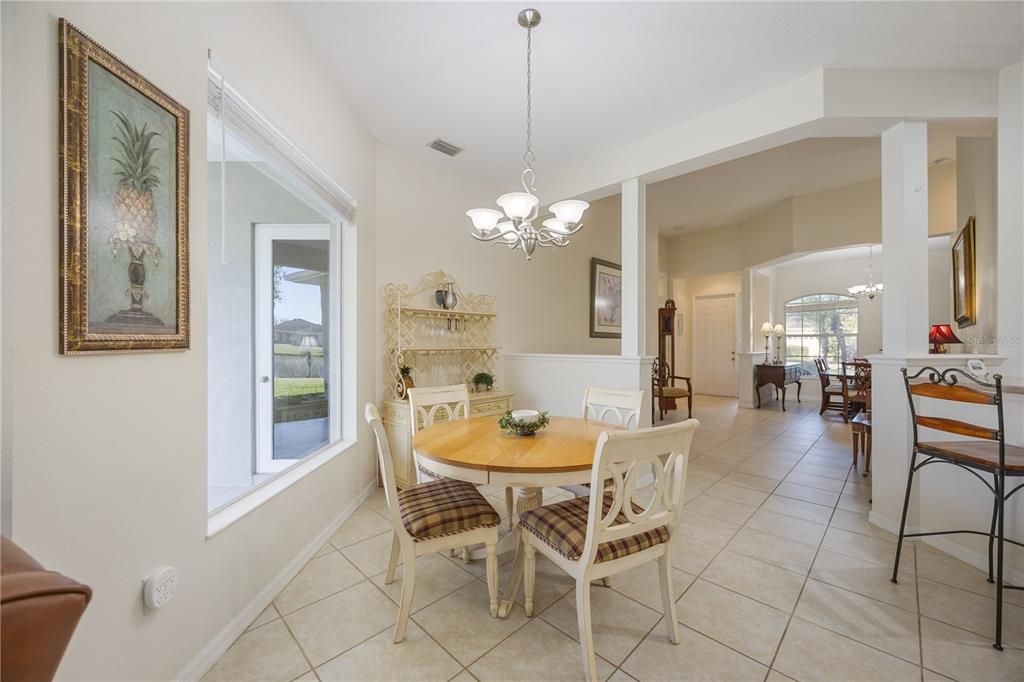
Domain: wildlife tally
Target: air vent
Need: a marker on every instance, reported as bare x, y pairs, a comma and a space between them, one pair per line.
445, 147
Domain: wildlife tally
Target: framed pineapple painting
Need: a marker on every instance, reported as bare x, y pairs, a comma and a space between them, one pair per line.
123, 206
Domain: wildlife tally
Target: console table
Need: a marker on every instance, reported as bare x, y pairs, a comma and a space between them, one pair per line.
778, 376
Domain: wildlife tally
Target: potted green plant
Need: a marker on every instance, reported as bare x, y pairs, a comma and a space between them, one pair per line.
406, 383
484, 380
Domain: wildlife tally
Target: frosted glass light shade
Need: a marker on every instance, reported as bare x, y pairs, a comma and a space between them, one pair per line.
569, 212
779, 330
518, 204
508, 231
767, 328
484, 219
555, 225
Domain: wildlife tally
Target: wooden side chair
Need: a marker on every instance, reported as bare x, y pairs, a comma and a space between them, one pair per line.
594, 537
831, 394
985, 453
431, 517
861, 427
855, 385
663, 387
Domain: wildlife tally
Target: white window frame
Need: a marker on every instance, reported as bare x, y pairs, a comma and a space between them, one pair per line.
845, 302
263, 322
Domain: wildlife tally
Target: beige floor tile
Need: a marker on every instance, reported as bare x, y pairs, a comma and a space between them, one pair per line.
266, 653
807, 532
942, 568
696, 657
326, 548
333, 625
362, 525
970, 611
464, 676
788, 554
721, 509
819, 482
858, 523
691, 555
774, 472
881, 552
963, 655
810, 652
870, 622
620, 676
807, 494
854, 503
322, 576
436, 577
865, 577
308, 677
266, 615
536, 651
838, 472
708, 530
750, 627
931, 676
370, 556
776, 676
463, 625
764, 485
763, 582
377, 502
618, 623
417, 657
735, 493
798, 509
643, 584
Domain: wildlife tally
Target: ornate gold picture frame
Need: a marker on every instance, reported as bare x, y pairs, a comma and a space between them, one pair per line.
964, 309
124, 163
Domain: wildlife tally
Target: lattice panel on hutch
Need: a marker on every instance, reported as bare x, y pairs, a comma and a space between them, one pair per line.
442, 347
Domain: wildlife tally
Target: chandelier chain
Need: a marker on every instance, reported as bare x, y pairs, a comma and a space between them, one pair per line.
529, 157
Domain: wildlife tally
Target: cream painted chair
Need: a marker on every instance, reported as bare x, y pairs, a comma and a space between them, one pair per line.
593, 537
614, 406
453, 403
432, 517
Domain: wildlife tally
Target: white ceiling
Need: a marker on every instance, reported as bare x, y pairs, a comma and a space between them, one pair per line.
607, 73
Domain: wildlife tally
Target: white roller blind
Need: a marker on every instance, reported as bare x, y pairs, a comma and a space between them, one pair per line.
252, 128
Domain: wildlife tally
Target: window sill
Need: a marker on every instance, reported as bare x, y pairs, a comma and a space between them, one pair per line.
227, 515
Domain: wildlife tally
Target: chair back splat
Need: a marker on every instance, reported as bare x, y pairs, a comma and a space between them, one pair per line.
428, 405
621, 408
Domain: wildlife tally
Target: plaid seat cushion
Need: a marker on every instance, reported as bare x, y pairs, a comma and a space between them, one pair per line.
563, 527
444, 507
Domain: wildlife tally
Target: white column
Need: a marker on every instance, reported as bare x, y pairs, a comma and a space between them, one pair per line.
1010, 220
634, 268
905, 239
904, 315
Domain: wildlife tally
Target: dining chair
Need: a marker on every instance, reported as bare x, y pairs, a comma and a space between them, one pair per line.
450, 402
615, 406
981, 450
445, 514
594, 537
663, 388
860, 426
831, 394
855, 386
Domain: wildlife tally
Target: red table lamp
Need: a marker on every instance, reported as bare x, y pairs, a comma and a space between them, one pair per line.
939, 335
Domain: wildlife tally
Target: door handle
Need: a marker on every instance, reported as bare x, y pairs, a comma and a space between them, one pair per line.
264, 380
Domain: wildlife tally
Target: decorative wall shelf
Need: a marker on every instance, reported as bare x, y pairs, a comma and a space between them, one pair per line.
442, 346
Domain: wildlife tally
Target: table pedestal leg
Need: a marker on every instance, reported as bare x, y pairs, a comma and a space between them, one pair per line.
526, 499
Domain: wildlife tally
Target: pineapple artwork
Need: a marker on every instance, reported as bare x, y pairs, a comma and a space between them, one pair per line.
133, 254
136, 226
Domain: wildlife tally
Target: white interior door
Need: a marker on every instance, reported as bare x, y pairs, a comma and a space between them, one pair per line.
296, 392
714, 345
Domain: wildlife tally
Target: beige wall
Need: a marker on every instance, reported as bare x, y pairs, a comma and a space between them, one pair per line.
689, 289
543, 304
109, 471
976, 195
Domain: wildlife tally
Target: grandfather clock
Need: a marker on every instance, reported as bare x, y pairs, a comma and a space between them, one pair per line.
667, 345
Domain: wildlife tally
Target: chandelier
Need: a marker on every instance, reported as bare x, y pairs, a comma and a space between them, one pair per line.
514, 228
872, 288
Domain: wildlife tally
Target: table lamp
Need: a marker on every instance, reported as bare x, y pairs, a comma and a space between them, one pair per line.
939, 335
767, 330
779, 331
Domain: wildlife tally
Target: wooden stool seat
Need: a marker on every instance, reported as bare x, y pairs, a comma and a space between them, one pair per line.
984, 454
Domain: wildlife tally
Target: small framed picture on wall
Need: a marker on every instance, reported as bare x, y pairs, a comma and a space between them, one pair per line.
605, 299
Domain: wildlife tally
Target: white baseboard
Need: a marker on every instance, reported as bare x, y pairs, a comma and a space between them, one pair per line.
945, 544
211, 653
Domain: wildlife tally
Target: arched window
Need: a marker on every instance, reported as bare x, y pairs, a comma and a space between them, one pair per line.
821, 326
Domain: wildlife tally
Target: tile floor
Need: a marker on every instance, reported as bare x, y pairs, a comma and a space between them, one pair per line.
778, 572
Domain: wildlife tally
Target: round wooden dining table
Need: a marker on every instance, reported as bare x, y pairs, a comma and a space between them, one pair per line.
478, 451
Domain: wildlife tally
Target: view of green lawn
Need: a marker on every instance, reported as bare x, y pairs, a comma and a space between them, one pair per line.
291, 349
286, 388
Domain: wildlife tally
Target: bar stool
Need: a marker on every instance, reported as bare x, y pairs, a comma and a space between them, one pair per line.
986, 453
